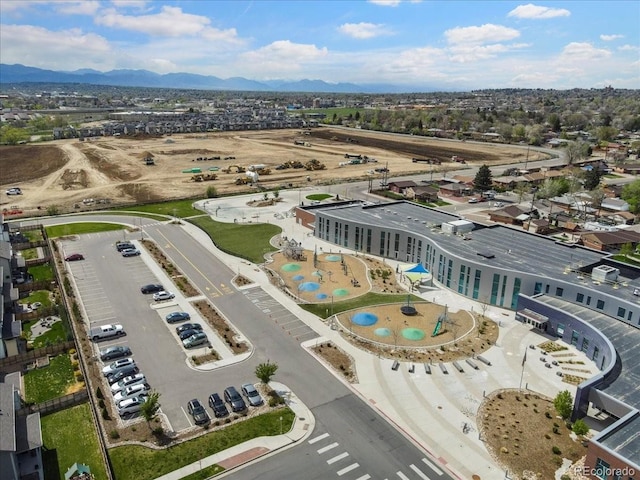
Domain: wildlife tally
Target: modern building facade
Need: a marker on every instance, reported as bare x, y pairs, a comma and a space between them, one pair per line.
577, 294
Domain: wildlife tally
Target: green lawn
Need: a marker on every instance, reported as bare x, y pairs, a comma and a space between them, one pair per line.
134, 462
178, 208
41, 272
57, 334
69, 437
55, 231
33, 235
323, 310
318, 196
29, 253
250, 242
205, 473
42, 296
49, 382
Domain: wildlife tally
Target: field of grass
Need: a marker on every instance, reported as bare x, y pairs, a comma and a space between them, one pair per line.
29, 253
56, 334
42, 272
69, 436
318, 196
140, 463
322, 310
250, 242
67, 229
49, 382
42, 296
177, 208
33, 235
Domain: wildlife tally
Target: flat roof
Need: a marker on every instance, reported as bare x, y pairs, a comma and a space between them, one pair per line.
512, 249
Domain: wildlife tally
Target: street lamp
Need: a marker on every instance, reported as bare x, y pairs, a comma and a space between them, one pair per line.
332, 305
281, 425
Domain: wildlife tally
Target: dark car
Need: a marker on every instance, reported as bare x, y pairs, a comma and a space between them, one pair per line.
121, 246
187, 333
218, 406
188, 326
197, 411
175, 317
151, 288
120, 374
130, 252
74, 257
233, 398
112, 353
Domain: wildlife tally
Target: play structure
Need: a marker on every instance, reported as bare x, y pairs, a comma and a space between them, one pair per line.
442, 318
408, 309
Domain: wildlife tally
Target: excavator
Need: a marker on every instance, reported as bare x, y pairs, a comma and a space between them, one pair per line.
238, 168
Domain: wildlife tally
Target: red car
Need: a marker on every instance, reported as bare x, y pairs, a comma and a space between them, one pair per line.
74, 257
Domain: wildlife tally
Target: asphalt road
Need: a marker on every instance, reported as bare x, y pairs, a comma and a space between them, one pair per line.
359, 443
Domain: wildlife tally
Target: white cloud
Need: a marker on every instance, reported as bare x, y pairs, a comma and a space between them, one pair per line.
76, 7
629, 48
170, 22
386, 3
363, 30
538, 12
470, 53
608, 38
583, 51
488, 33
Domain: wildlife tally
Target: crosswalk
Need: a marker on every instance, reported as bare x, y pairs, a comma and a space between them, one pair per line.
336, 457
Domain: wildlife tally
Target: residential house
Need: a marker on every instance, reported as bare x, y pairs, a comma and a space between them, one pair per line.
511, 214
400, 187
424, 193
610, 241
454, 189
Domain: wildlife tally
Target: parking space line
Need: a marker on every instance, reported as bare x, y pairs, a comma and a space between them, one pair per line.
318, 438
338, 458
353, 466
328, 447
366, 476
419, 472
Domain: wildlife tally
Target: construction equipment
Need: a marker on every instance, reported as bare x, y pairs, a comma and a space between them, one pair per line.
149, 161
238, 168
314, 165
200, 177
260, 169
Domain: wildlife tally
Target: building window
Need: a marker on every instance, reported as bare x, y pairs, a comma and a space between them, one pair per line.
546, 289
601, 469
538, 288
357, 246
585, 344
345, 238
396, 244
559, 291
622, 312
382, 234
494, 288
629, 316
596, 352
476, 285
600, 304
516, 291
579, 297
574, 338
368, 240
589, 300
449, 269
560, 329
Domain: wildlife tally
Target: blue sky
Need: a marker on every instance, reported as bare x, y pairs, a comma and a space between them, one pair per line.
433, 44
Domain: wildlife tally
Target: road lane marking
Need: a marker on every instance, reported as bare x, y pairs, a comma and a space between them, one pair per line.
327, 448
318, 438
432, 466
337, 458
419, 472
366, 476
353, 466
402, 476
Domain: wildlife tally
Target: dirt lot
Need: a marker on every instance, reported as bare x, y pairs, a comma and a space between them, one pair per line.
66, 172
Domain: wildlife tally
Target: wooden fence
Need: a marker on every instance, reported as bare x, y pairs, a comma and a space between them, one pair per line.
16, 363
56, 404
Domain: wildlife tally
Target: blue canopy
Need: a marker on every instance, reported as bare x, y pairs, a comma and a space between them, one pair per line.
417, 269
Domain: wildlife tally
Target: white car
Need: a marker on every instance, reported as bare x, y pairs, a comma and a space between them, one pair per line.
127, 382
131, 391
163, 295
132, 405
117, 365
14, 191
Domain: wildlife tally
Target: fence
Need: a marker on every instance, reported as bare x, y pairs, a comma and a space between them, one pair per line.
9, 364
56, 404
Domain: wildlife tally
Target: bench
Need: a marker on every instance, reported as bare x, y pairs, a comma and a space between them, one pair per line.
427, 368
443, 368
458, 367
471, 363
483, 360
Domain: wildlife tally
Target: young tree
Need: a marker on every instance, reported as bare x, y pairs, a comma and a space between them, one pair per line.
631, 195
592, 178
482, 180
265, 371
149, 409
563, 403
580, 427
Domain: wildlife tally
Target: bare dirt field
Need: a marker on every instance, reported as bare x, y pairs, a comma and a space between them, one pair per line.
113, 170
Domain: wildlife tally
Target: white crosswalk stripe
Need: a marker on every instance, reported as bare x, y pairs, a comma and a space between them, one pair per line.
402, 476
318, 438
353, 466
327, 448
366, 476
432, 466
419, 472
338, 457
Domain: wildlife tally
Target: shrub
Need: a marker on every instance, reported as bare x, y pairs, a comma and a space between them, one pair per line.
105, 414
556, 450
580, 427
556, 430
79, 377
158, 430
101, 403
227, 420
547, 414
99, 393
114, 435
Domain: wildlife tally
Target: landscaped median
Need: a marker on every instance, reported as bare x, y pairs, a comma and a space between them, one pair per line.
135, 462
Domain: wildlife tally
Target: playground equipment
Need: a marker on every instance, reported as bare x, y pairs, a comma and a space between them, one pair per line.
442, 318
408, 309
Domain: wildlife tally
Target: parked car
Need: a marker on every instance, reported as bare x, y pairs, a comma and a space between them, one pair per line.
74, 257
198, 412
218, 405
127, 382
131, 391
234, 399
129, 406
117, 365
121, 246
14, 191
195, 340
120, 374
151, 288
175, 317
187, 333
472, 200
131, 252
111, 353
188, 326
163, 295
498, 204
252, 395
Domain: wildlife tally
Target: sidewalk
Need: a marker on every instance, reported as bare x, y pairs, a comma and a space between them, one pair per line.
258, 447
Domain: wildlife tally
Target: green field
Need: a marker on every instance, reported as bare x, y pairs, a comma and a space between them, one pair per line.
177, 208
49, 382
69, 437
41, 272
323, 310
67, 229
250, 241
134, 462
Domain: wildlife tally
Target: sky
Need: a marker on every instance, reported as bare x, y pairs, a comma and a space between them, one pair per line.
437, 45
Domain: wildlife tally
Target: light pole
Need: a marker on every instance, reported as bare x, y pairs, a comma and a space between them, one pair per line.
281, 425
331, 305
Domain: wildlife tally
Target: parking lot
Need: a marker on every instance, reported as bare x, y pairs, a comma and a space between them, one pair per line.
108, 285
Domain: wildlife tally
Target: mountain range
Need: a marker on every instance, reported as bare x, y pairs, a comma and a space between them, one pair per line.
14, 74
